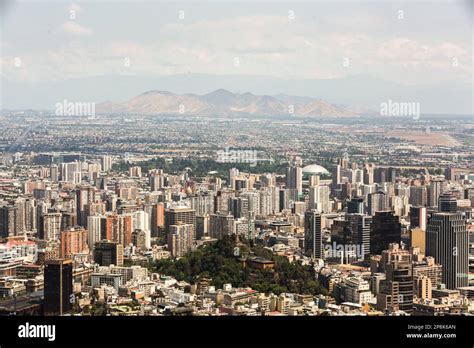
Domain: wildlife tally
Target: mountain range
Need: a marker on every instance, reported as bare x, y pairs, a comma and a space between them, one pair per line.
223, 103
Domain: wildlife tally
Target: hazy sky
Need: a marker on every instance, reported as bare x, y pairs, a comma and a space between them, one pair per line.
408, 43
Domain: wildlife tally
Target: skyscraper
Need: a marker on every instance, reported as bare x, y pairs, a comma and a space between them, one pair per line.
356, 205
447, 241
180, 239
183, 214
313, 236
435, 189
294, 177
377, 201
73, 241
418, 217
57, 286
385, 229
447, 203
108, 253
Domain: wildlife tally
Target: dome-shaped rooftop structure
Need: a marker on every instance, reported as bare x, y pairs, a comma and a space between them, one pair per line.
314, 169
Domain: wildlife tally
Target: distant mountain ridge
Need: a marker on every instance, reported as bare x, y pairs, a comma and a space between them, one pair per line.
224, 103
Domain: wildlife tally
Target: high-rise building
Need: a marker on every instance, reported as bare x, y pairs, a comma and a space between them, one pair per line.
418, 239
418, 196
180, 239
106, 162
50, 226
355, 205
435, 189
73, 241
183, 214
336, 175
396, 291
447, 203
319, 198
359, 231
108, 253
294, 177
221, 225
377, 201
58, 286
447, 241
418, 217
94, 230
313, 235
385, 229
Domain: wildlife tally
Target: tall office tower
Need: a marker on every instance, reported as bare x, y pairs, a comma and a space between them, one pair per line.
313, 234
391, 174
180, 239
380, 175
284, 201
319, 198
356, 205
385, 229
294, 176
435, 189
447, 203
73, 241
377, 201
106, 162
183, 214
359, 232
450, 173
357, 176
157, 219
50, 226
418, 217
7, 221
418, 196
202, 226
58, 286
220, 225
53, 173
369, 173
85, 195
94, 230
447, 240
108, 253
239, 207
336, 174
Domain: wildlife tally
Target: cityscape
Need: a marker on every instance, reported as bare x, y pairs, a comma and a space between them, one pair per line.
286, 217
300, 163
